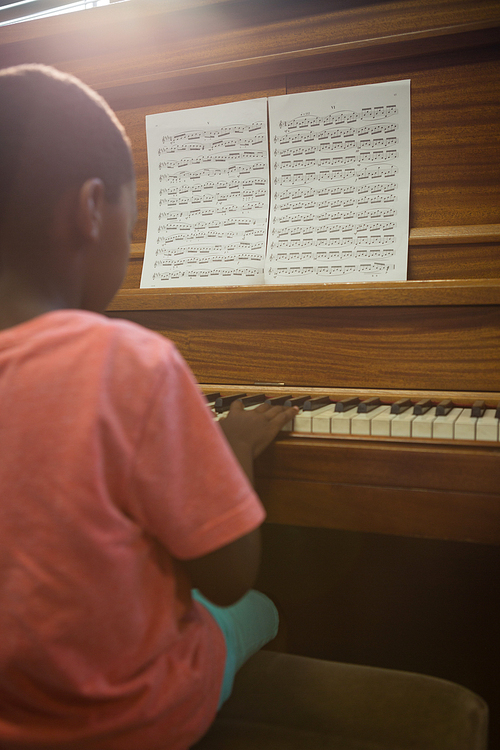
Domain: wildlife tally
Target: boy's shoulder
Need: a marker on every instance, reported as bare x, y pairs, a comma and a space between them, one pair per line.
124, 340
82, 324
77, 336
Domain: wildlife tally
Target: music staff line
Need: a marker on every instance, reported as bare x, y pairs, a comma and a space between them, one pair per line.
312, 231
183, 217
295, 256
217, 199
221, 185
211, 235
238, 169
243, 251
335, 175
286, 163
232, 156
344, 215
331, 175
332, 135
194, 139
337, 161
323, 191
375, 268
206, 255
365, 143
241, 187
197, 213
216, 145
379, 112
379, 153
193, 274
218, 259
360, 240
311, 202
220, 132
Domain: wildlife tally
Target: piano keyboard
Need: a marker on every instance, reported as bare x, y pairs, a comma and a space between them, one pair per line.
370, 418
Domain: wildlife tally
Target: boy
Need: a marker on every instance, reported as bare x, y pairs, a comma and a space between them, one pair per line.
119, 492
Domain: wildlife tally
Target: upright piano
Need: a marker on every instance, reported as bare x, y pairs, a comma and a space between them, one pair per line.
436, 335
402, 556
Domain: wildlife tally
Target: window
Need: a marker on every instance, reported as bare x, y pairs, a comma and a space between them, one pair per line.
28, 10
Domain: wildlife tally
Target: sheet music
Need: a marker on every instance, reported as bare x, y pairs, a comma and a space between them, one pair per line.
208, 196
340, 176
334, 179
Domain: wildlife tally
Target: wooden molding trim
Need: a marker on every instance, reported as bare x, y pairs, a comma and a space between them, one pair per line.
477, 234
373, 294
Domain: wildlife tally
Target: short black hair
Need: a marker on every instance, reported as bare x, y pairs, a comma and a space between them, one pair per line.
55, 133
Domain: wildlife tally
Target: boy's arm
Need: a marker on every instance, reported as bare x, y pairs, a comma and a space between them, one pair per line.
226, 574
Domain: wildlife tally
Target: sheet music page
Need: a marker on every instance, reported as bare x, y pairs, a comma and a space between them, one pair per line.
208, 196
340, 181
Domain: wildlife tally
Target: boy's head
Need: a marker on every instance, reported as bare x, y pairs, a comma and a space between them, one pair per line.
60, 145
55, 132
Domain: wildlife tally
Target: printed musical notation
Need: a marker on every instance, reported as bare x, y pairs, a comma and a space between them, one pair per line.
328, 200
209, 196
340, 185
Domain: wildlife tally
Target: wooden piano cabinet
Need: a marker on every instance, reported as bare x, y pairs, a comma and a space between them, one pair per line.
414, 338
399, 346
380, 552
433, 491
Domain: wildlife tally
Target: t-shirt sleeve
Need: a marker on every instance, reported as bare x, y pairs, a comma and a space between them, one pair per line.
186, 487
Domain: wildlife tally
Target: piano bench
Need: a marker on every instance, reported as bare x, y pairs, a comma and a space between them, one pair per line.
285, 702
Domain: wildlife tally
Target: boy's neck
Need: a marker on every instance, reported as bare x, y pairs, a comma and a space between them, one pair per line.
18, 303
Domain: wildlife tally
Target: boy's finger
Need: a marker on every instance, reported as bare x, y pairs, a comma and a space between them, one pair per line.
236, 405
284, 415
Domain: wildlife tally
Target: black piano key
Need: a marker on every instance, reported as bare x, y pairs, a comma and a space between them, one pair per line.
212, 397
257, 398
278, 400
403, 404
444, 407
369, 405
347, 403
497, 413
298, 401
315, 403
224, 402
478, 408
422, 406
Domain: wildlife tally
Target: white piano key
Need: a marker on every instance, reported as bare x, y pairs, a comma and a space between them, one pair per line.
487, 426
321, 421
421, 427
303, 421
361, 423
340, 423
381, 424
442, 427
401, 425
465, 426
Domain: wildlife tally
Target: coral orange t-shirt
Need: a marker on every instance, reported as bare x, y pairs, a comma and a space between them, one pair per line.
108, 457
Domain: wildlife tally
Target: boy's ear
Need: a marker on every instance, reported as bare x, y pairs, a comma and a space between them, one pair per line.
90, 205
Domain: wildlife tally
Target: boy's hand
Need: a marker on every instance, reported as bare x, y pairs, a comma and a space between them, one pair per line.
250, 432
